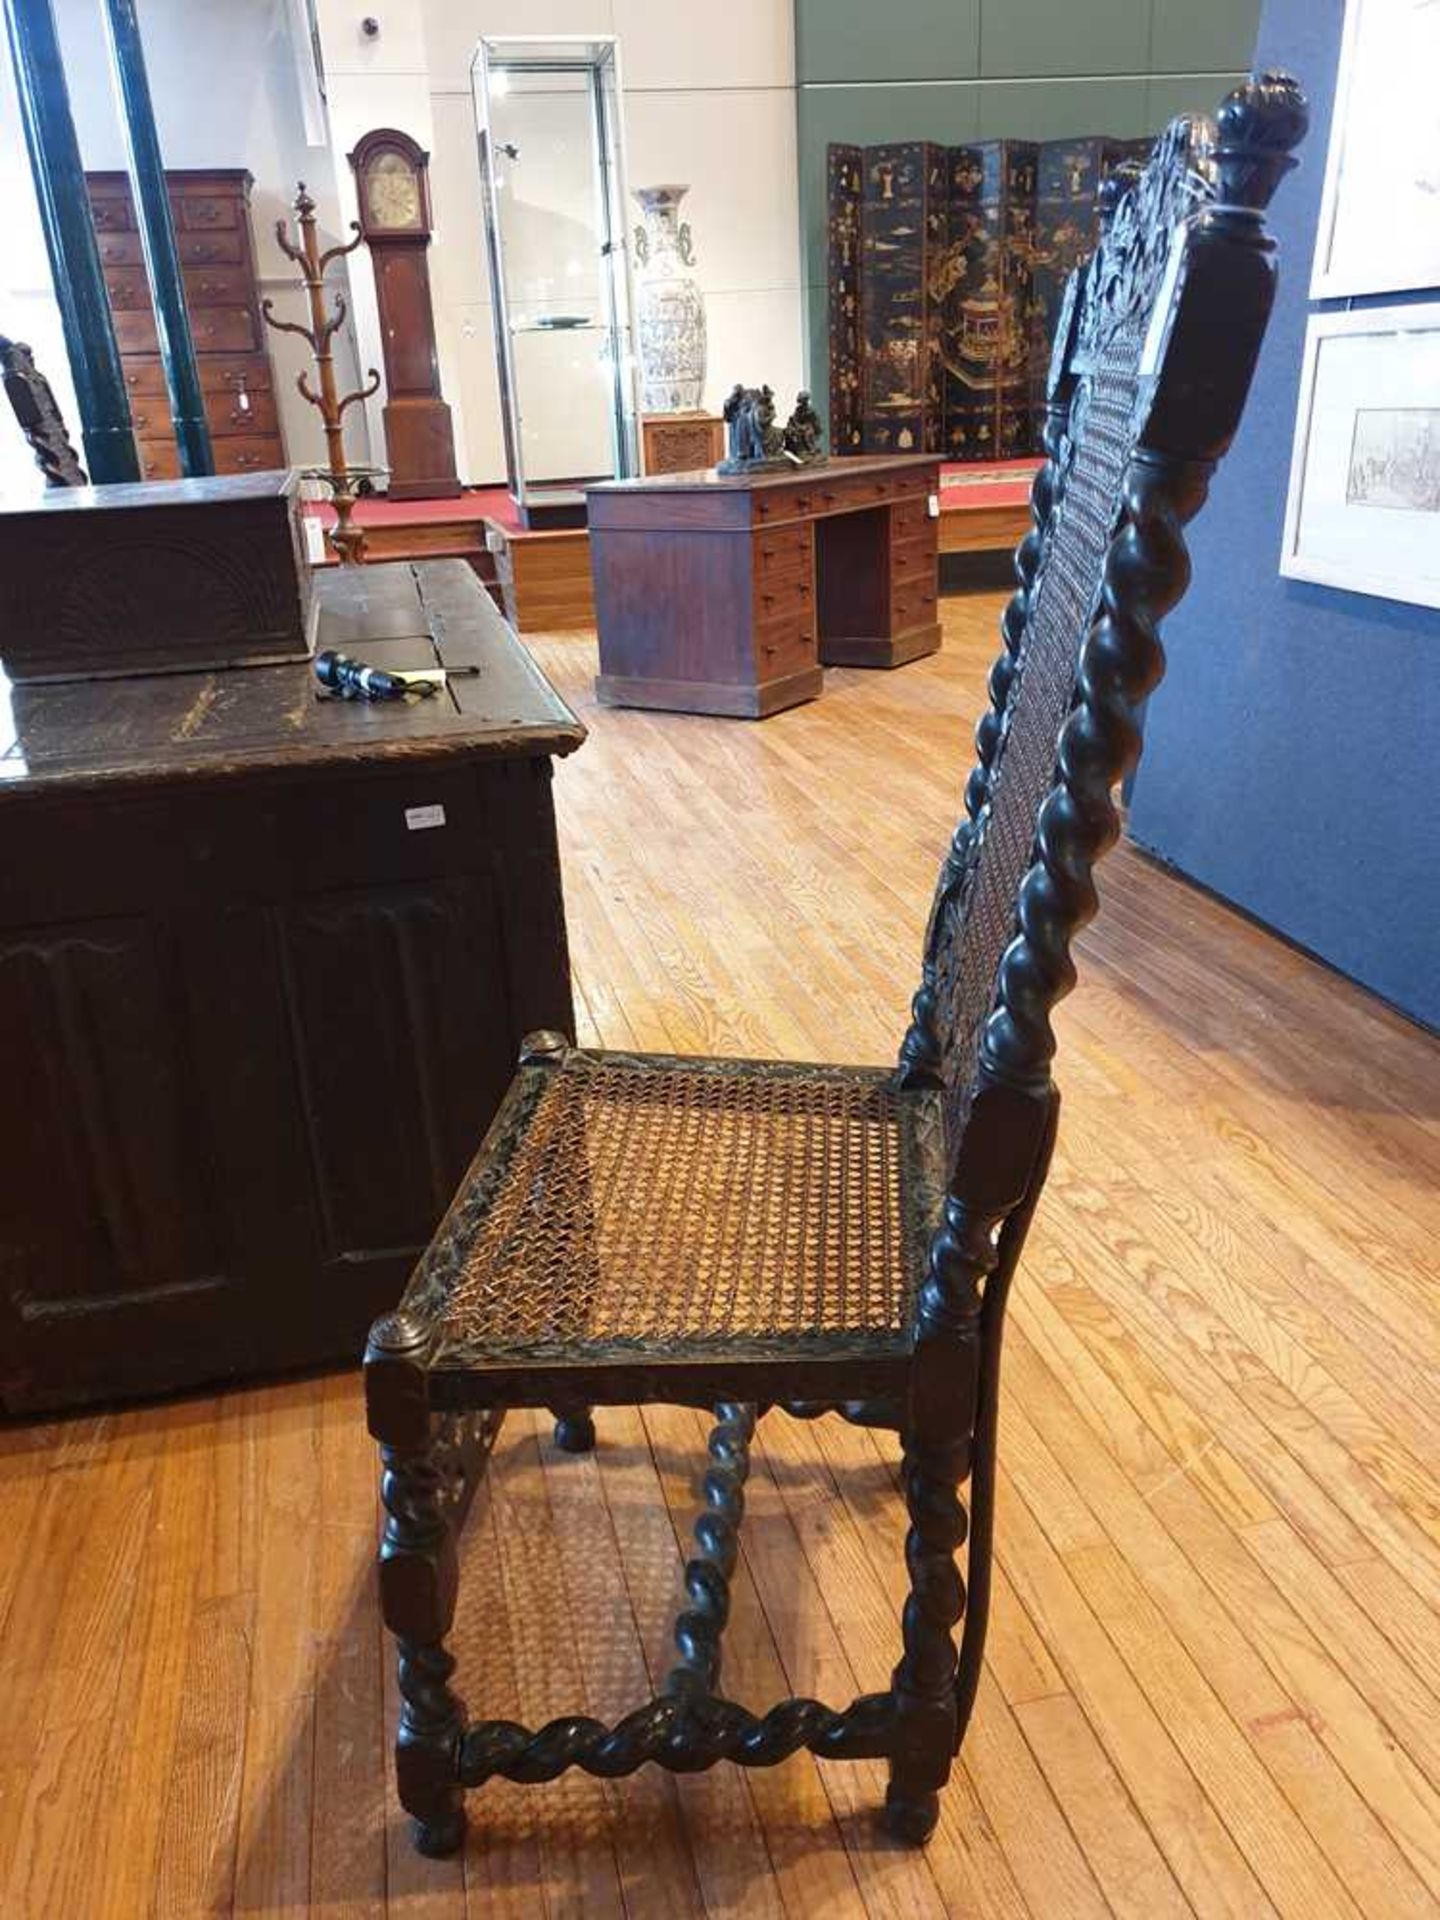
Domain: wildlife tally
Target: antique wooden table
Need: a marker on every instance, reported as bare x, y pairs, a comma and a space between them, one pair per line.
265, 962
727, 593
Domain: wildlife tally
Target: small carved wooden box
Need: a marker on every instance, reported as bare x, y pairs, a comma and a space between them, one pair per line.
161, 576
682, 442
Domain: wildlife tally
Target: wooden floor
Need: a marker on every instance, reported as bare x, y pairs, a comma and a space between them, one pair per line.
1214, 1673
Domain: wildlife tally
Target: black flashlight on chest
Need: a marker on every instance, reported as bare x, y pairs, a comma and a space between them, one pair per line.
338, 673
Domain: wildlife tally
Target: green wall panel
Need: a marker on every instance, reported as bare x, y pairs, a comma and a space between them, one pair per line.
866, 116
857, 40
987, 69
1024, 37
1056, 109
1193, 93
1189, 38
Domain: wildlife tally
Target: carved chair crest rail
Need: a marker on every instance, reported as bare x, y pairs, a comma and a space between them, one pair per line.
740, 1234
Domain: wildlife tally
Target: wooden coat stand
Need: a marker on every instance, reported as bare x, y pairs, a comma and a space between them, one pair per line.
345, 536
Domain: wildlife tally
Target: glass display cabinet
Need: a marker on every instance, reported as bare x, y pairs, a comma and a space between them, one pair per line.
547, 115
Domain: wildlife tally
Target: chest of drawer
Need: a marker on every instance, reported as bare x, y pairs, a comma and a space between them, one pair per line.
204, 211
223, 330
159, 459
237, 373
244, 412
119, 249
220, 249
143, 377
135, 330
217, 286
247, 453
127, 288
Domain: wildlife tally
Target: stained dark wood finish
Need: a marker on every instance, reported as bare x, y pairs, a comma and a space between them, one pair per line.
254, 1023
727, 593
419, 439
211, 211
1135, 431
32, 400
154, 576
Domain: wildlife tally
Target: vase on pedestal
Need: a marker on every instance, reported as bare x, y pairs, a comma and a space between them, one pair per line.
669, 306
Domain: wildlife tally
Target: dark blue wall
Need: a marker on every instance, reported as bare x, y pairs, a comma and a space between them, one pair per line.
1292, 758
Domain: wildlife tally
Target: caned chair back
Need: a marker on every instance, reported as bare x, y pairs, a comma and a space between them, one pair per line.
1154, 354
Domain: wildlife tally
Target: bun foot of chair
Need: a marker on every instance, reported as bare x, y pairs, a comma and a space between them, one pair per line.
911, 1817
438, 1838
575, 1433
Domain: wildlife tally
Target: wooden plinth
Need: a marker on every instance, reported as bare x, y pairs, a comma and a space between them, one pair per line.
858, 650
544, 577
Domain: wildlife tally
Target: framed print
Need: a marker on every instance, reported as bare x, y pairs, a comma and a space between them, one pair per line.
1379, 226
1363, 511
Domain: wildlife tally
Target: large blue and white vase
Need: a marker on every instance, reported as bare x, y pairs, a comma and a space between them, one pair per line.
669, 306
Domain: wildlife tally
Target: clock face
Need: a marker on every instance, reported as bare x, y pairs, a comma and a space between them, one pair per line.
392, 192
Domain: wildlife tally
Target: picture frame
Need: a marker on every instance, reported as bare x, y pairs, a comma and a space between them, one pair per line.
1363, 508
1379, 227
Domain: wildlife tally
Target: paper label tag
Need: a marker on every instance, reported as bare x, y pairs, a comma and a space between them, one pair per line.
418, 818
314, 540
934, 506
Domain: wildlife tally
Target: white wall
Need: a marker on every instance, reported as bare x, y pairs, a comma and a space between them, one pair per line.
709, 99
227, 94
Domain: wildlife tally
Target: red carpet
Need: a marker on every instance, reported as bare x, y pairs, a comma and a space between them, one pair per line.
996, 483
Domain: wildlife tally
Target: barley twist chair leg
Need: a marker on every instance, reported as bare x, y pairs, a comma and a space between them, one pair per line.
419, 1576
924, 1681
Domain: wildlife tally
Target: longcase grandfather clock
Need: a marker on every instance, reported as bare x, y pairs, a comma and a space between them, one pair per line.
392, 179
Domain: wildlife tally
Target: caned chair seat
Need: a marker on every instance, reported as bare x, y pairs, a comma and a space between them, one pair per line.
646, 1209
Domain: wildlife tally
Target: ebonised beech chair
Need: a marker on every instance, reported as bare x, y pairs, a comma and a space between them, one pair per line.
33, 402
738, 1234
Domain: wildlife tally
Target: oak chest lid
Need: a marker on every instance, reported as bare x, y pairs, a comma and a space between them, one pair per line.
232, 489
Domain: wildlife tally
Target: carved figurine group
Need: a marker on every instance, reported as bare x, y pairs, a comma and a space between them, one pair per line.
754, 440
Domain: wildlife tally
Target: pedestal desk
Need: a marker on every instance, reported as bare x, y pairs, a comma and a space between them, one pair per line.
265, 963
727, 593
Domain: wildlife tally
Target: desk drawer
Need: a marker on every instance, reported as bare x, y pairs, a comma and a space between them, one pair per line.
783, 647
913, 557
909, 515
913, 605
782, 552
791, 597
769, 505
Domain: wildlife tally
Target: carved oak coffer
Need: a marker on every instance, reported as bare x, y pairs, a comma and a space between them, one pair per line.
266, 960
160, 576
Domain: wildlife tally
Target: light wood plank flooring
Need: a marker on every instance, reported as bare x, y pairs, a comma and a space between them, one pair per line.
1214, 1673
